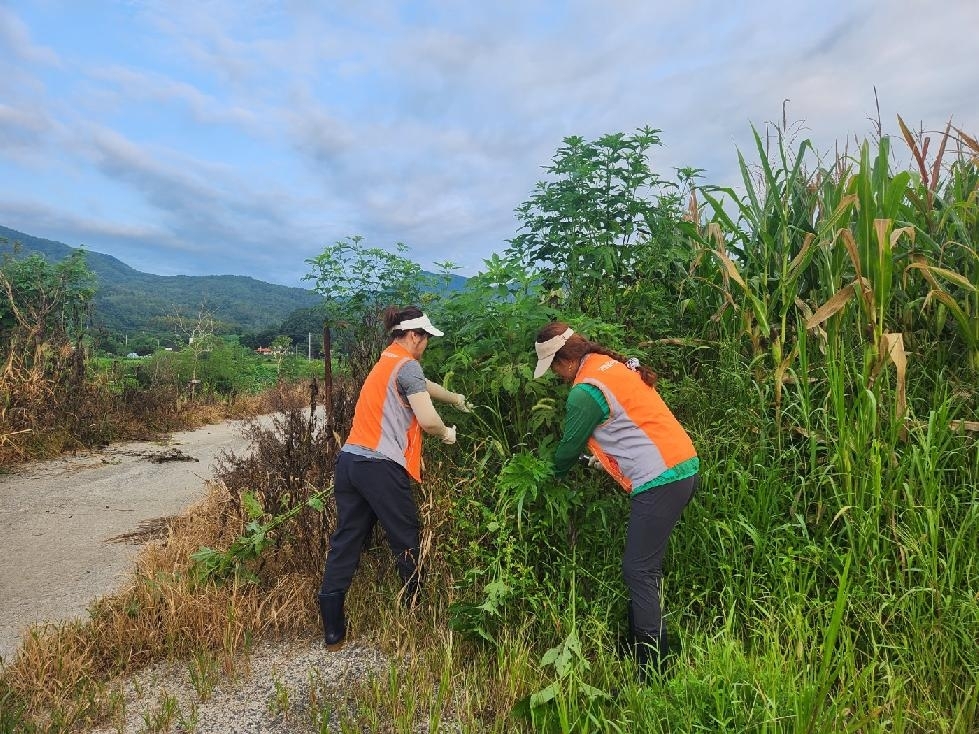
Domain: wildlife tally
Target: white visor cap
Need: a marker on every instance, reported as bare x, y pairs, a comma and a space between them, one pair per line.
547, 350
422, 322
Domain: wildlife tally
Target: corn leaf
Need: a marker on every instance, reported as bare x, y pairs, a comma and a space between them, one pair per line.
835, 303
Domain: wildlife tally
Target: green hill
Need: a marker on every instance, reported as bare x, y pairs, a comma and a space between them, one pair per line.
129, 300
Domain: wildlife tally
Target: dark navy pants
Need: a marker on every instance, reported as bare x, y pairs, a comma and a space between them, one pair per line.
652, 515
369, 490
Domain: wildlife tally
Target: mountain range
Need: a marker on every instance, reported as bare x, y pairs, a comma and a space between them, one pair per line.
128, 300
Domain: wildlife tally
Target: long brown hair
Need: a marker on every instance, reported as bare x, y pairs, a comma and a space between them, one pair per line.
577, 347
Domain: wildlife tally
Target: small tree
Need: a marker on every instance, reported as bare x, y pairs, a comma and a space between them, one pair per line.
357, 283
603, 221
280, 347
43, 306
197, 332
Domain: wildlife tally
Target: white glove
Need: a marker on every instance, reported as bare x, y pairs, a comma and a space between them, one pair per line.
592, 461
461, 403
449, 436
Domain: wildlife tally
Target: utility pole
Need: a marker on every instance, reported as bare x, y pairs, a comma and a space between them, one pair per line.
327, 374
309, 346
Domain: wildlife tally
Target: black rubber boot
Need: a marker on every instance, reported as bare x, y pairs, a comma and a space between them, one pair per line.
409, 593
652, 652
626, 644
647, 654
673, 648
411, 578
334, 621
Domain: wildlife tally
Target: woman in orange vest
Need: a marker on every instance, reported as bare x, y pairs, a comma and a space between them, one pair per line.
614, 409
381, 454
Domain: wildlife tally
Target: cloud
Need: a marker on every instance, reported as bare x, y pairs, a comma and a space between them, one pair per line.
132, 85
15, 38
22, 130
246, 135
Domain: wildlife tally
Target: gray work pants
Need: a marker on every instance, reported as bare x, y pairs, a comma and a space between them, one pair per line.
652, 515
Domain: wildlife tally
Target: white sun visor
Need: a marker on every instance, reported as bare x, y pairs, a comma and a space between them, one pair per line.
422, 322
547, 350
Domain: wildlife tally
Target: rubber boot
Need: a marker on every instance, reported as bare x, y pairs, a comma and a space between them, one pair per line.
410, 593
334, 621
411, 578
673, 649
651, 655
625, 646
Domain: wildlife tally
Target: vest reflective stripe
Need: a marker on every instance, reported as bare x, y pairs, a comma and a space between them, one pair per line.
383, 421
641, 439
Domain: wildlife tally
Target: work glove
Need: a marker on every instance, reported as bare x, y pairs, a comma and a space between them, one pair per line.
590, 461
460, 402
449, 437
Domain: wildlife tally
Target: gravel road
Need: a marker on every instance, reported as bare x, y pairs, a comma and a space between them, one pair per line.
63, 543
63, 522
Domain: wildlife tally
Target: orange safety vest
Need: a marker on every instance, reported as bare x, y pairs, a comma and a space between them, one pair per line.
641, 439
383, 420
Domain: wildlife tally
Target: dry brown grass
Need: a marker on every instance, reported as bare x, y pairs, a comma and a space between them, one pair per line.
50, 404
61, 674
41, 418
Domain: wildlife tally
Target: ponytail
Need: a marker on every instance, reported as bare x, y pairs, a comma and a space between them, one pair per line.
647, 375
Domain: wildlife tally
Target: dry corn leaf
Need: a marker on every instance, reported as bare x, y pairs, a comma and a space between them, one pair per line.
896, 234
731, 268
836, 302
929, 270
881, 228
851, 247
797, 260
892, 348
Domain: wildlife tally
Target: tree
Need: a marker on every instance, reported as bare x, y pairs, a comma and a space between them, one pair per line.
358, 283
281, 346
602, 222
197, 332
43, 305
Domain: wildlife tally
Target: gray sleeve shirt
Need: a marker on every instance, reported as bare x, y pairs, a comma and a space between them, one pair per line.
411, 379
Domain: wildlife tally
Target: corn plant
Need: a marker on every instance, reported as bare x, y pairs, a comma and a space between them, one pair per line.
765, 254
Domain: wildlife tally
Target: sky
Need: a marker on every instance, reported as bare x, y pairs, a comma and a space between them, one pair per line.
242, 137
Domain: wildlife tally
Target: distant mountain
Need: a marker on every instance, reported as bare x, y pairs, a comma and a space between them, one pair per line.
128, 300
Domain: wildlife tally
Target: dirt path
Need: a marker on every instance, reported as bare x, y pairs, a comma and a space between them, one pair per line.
63, 522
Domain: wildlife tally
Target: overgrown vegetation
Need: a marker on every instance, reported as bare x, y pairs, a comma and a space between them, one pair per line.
55, 395
816, 331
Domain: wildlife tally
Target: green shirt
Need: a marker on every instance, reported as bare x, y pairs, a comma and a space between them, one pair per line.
585, 410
